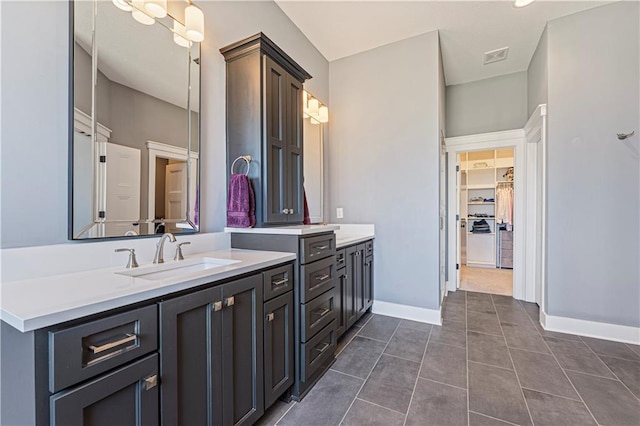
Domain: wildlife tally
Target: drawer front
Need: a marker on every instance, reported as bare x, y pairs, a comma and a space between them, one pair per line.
317, 314
315, 248
316, 278
341, 259
277, 281
368, 250
317, 350
86, 350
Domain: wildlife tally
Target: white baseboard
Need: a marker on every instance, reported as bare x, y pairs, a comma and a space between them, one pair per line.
599, 330
431, 316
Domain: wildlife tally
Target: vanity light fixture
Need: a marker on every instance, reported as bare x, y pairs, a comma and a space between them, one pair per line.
313, 109
523, 3
194, 23
157, 8
314, 106
122, 5
180, 35
139, 14
323, 114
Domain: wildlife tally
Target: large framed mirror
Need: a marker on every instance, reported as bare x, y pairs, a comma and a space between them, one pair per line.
313, 137
135, 138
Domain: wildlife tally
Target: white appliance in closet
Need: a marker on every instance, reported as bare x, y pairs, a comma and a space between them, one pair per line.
483, 170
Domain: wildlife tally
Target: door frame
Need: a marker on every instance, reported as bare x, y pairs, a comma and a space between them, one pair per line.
524, 287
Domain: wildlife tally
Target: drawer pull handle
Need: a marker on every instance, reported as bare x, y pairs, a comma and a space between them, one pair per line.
324, 348
323, 277
229, 301
151, 382
320, 247
129, 337
367, 264
322, 312
270, 317
217, 306
279, 283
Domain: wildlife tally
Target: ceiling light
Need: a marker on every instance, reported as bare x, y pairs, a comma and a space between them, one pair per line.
157, 8
523, 3
194, 23
122, 5
139, 15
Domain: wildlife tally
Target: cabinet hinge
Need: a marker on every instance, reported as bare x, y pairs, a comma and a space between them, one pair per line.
103, 158
457, 217
102, 214
457, 266
457, 168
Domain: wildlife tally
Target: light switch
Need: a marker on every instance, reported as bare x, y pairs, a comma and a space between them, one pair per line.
339, 213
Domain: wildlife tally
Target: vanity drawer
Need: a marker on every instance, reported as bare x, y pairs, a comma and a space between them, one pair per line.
341, 259
317, 350
316, 278
317, 313
277, 281
86, 350
318, 247
368, 248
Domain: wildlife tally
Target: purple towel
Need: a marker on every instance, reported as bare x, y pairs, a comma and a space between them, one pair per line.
241, 203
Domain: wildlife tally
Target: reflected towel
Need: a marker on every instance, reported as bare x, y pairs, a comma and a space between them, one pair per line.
240, 202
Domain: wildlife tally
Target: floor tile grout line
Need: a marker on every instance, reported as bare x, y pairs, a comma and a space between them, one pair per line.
491, 365
378, 405
526, 404
447, 344
369, 375
615, 379
285, 413
549, 393
440, 383
564, 372
494, 418
415, 384
617, 357
346, 374
402, 358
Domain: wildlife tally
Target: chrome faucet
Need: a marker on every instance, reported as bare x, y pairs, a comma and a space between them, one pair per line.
159, 256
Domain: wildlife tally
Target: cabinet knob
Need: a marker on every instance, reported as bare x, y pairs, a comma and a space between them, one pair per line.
229, 301
291, 211
270, 317
285, 211
217, 306
151, 382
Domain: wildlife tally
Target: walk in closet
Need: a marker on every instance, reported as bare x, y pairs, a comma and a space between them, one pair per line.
486, 208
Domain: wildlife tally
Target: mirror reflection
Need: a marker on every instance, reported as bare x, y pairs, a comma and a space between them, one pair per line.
313, 137
136, 121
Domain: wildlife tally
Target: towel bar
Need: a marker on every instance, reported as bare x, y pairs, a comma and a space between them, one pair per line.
247, 159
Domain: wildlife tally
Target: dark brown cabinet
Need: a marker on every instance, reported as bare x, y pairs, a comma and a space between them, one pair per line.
264, 120
210, 341
278, 347
356, 280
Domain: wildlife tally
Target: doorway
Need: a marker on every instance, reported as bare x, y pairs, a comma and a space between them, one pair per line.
485, 198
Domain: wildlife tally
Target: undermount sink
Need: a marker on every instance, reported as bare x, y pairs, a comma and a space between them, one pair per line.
179, 268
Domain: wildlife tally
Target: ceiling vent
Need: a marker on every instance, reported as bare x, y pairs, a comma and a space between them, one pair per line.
496, 55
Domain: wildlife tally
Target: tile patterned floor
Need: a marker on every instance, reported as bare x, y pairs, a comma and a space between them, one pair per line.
490, 363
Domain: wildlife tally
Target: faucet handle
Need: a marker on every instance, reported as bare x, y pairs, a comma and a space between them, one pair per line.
179, 255
132, 263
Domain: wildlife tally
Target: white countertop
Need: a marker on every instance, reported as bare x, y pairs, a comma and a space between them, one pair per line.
285, 230
352, 239
349, 234
41, 302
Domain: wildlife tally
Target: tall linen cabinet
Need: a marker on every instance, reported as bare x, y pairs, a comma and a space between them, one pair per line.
264, 120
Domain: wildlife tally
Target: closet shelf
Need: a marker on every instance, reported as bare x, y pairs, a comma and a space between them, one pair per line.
481, 233
480, 203
481, 187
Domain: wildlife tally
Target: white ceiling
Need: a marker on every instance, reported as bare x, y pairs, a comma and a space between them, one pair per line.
467, 29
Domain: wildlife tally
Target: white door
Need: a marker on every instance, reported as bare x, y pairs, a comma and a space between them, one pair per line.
443, 218
122, 201
459, 216
175, 194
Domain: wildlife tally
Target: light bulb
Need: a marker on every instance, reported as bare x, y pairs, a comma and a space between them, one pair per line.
323, 114
122, 5
179, 36
157, 8
139, 15
523, 3
194, 23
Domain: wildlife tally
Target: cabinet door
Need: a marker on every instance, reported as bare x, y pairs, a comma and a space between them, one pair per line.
341, 296
191, 358
127, 396
274, 188
278, 347
242, 350
367, 281
294, 167
361, 293
353, 269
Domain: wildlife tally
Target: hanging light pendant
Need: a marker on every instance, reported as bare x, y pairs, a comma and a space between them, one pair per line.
157, 8
122, 5
179, 34
194, 23
139, 15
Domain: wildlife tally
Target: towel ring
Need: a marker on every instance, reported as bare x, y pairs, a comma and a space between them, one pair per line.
247, 159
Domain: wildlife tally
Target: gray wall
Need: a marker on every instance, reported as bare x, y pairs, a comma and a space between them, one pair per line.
490, 105
593, 178
35, 87
538, 75
383, 161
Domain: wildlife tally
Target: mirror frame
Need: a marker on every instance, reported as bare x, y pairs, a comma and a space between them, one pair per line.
70, 154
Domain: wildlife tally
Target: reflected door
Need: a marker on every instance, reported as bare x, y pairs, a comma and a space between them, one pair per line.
176, 194
122, 189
